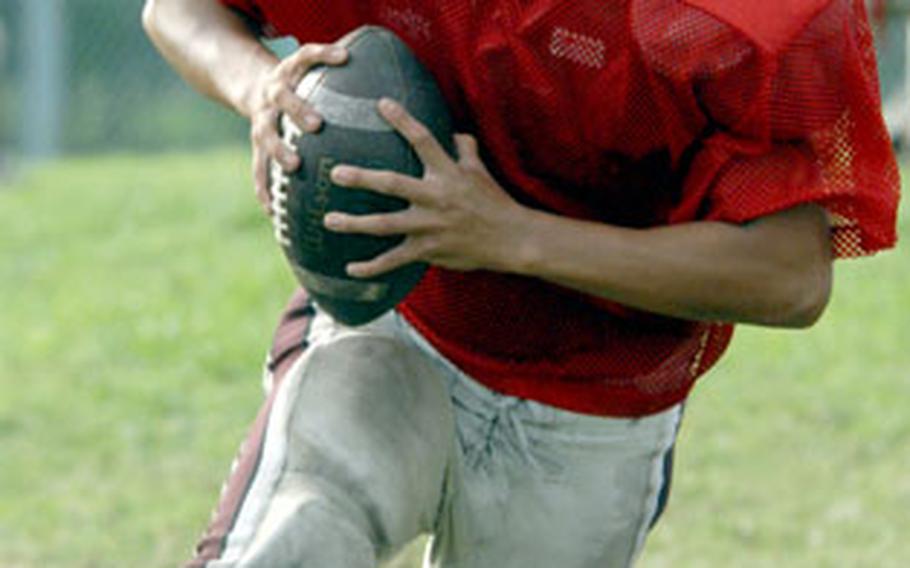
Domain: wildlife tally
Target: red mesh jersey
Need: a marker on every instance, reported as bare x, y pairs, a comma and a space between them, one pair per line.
637, 113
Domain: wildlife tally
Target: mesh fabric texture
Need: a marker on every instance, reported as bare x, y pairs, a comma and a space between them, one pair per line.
638, 113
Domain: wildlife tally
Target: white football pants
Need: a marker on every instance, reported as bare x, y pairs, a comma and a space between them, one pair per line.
372, 438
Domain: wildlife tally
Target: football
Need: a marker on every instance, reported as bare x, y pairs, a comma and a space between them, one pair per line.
353, 132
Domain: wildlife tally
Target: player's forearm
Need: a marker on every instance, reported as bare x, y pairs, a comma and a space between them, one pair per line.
775, 271
211, 47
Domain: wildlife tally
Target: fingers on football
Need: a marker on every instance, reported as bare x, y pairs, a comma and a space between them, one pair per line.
268, 146
468, 153
401, 255
261, 178
429, 150
266, 139
381, 181
299, 111
290, 72
294, 67
380, 224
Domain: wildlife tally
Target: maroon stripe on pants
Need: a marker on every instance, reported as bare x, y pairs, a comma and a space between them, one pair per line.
288, 344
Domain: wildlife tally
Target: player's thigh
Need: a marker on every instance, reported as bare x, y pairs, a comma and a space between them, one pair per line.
359, 422
371, 412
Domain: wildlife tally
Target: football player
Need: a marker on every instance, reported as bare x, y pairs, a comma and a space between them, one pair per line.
633, 178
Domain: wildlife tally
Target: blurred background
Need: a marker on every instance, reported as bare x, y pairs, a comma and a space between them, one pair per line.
79, 77
139, 286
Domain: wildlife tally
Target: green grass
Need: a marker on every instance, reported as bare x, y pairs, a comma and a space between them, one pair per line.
135, 310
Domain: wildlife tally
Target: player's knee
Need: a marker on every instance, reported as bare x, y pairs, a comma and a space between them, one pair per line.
356, 492
312, 525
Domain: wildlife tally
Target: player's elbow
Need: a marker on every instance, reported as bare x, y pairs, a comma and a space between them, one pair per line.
795, 280
802, 296
808, 308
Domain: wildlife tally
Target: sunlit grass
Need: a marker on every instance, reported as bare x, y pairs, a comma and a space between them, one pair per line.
138, 295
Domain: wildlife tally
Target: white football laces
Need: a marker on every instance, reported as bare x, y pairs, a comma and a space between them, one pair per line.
281, 183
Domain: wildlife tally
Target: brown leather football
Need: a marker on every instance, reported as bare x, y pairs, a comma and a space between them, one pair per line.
379, 65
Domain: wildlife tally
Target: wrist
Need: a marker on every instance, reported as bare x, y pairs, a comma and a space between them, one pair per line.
249, 96
523, 243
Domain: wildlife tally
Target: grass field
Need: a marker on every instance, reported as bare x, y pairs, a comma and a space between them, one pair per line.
135, 308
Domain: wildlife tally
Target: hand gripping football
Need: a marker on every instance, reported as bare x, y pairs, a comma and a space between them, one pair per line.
379, 65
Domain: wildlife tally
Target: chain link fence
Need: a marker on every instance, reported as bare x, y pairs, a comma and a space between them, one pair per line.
79, 76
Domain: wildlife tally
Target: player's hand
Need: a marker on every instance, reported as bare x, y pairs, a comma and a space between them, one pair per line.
274, 95
459, 217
